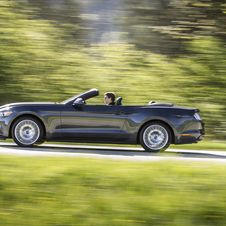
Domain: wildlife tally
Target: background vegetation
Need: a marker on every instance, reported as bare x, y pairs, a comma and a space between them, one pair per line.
76, 191
162, 50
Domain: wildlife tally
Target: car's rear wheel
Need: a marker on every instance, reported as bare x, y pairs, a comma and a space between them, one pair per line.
27, 132
155, 137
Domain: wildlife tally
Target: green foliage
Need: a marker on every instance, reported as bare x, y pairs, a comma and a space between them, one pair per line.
28, 49
75, 191
163, 25
204, 81
40, 61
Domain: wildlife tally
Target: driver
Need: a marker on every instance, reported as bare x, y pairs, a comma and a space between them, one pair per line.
109, 98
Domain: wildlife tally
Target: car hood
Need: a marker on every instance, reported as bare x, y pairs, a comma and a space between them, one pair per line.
27, 104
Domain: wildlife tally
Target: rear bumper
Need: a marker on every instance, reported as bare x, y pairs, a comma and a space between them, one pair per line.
192, 136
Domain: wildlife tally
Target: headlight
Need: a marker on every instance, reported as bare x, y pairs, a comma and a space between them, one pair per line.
5, 113
197, 117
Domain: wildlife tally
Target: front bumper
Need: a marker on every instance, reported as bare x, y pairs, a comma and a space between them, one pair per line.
3, 130
2, 137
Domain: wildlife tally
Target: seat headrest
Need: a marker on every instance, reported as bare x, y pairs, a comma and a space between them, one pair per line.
151, 102
119, 101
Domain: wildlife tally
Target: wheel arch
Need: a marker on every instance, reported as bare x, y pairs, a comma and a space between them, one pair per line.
157, 120
24, 115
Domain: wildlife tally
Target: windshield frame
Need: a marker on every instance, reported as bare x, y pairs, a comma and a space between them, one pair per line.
86, 95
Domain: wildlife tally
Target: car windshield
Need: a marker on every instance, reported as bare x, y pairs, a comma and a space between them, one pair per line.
70, 99
88, 94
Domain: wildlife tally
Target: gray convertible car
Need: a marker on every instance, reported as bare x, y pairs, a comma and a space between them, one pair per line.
154, 126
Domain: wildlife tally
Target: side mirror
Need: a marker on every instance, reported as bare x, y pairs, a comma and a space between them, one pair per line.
78, 102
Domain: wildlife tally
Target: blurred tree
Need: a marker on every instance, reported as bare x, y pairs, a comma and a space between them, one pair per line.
204, 81
27, 53
63, 14
163, 26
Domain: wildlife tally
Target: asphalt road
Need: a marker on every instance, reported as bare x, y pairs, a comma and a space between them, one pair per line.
120, 153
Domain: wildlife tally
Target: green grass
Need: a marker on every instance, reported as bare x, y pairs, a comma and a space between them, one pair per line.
78, 191
203, 145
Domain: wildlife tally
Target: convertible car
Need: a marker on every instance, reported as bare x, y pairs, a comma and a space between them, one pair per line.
154, 126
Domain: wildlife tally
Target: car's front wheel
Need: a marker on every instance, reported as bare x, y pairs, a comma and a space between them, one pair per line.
27, 132
155, 137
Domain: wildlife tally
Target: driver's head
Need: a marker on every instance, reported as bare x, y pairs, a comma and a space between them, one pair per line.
109, 97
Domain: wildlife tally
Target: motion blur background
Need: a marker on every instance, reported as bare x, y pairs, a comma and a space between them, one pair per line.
162, 50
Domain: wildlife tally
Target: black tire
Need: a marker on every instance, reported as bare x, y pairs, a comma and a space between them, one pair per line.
155, 137
27, 132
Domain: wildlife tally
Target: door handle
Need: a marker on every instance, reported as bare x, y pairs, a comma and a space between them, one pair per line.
118, 113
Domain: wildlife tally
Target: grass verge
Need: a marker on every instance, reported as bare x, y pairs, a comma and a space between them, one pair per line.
202, 145
78, 191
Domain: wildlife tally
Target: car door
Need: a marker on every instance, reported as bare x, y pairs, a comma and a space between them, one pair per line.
92, 122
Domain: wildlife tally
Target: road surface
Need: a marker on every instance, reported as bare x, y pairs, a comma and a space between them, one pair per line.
120, 153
